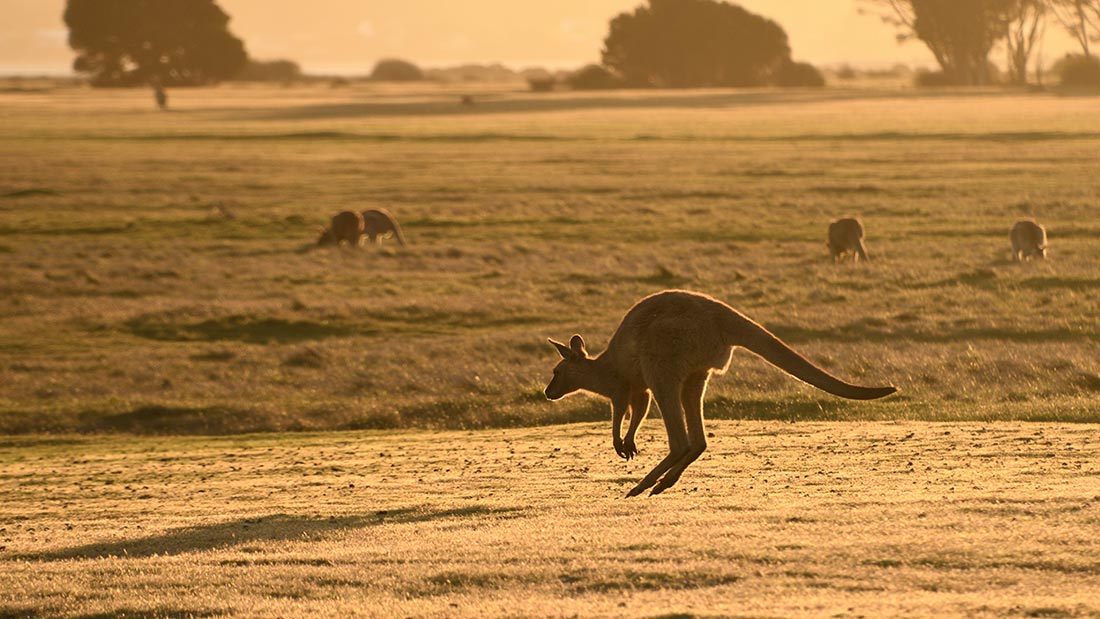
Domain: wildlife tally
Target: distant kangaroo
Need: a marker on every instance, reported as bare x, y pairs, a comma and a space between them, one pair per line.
846, 238
1029, 239
669, 344
346, 226
378, 222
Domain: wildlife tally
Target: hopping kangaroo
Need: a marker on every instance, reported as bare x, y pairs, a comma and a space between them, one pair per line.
846, 238
378, 222
669, 344
346, 226
1029, 240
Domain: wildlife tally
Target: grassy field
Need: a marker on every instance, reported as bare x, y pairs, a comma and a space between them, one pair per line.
132, 302
874, 519
159, 278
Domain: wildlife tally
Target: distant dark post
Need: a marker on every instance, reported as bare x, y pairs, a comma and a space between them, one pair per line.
161, 96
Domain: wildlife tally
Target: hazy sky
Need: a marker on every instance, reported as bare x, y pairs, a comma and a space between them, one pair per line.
348, 36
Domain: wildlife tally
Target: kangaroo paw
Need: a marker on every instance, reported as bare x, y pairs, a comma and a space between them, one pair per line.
630, 449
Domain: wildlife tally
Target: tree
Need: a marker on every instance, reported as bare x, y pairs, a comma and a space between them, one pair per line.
799, 75
395, 70
269, 71
959, 33
1024, 29
171, 42
593, 77
684, 43
1080, 18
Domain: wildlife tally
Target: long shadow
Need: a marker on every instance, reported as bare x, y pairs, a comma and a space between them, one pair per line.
122, 613
276, 527
874, 332
244, 328
611, 100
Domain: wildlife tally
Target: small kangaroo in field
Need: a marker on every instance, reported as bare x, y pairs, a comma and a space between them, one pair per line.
346, 226
669, 344
1029, 240
378, 222
846, 238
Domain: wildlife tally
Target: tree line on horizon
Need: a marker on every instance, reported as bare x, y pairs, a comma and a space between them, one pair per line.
962, 34
660, 44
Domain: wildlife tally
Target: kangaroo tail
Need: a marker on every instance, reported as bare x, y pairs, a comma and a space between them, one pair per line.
746, 333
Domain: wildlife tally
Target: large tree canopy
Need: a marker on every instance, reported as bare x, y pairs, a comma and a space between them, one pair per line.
133, 42
959, 33
685, 43
1080, 18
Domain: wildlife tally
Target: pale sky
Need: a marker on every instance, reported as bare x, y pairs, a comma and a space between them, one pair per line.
349, 36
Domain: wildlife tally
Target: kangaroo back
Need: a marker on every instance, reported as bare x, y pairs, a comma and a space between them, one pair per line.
743, 331
379, 221
1028, 239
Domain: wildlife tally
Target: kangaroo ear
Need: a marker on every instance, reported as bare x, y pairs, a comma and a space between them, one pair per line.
563, 350
576, 344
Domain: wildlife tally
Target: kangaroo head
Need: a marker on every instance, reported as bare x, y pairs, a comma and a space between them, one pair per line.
570, 373
326, 237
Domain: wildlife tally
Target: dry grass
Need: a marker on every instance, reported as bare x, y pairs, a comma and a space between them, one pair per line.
131, 301
776, 520
158, 278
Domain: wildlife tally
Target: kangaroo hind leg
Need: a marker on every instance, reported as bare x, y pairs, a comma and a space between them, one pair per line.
691, 395
672, 413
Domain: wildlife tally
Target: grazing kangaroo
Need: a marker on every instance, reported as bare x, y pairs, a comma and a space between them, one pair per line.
669, 344
1029, 239
378, 222
846, 238
346, 226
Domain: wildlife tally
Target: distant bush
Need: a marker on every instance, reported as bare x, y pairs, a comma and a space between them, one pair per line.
270, 71
846, 72
1076, 71
473, 73
542, 82
932, 79
395, 70
938, 79
799, 74
593, 77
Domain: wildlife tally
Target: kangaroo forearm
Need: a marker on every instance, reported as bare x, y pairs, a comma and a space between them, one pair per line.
617, 423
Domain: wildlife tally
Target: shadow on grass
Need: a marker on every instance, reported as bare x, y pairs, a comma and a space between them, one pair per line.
122, 613
640, 99
724, 407
164, 419
252, 329
875, 330
273, 528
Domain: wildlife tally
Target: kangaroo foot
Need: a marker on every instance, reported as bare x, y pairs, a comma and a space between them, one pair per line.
664, 484
642, 486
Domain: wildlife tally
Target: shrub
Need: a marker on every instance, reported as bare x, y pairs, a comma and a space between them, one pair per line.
541, 83
799, 74
1076, 71
932, 79
593, 77
394, 70
270, 71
